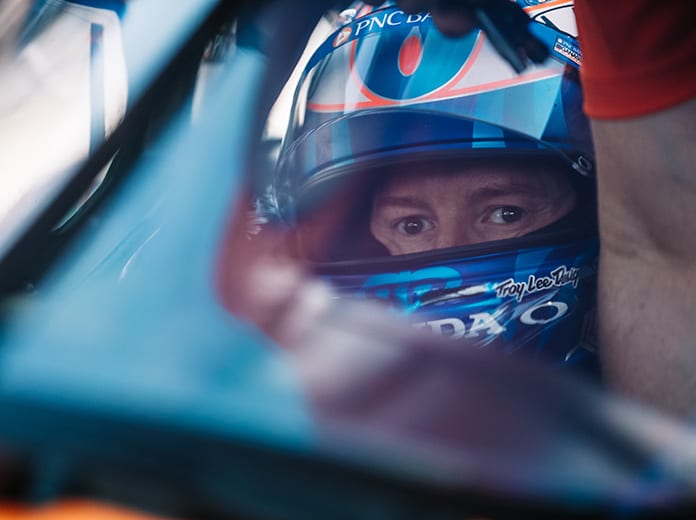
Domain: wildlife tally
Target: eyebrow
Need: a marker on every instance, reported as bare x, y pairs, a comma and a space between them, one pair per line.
491, 191
499, 190
412, 202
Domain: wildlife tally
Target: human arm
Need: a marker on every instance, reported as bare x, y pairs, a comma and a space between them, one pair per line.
647, 283
640, 93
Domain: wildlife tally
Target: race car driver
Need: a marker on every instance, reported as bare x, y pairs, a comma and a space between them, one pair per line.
425, 173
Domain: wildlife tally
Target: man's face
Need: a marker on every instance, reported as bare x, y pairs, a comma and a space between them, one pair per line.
425, 208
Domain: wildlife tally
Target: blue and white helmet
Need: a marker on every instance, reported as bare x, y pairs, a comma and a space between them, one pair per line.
387, 90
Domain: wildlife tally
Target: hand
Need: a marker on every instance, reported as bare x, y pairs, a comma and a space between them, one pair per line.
261, 280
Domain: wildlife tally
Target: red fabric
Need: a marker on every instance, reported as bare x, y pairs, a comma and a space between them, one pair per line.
639, 56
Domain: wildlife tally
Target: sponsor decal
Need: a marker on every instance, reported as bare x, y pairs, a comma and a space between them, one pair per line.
388, 19
457, 328
412, 60
410, 55
559, 277
400, 59
493, 324
568, 49
362, 24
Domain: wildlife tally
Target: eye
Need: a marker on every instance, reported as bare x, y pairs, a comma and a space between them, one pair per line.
413, 225
506, 215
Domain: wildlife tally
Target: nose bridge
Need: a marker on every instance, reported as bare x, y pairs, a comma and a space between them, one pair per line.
453, 232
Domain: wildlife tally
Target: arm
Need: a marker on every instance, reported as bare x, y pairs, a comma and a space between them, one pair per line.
639, 74
647, 283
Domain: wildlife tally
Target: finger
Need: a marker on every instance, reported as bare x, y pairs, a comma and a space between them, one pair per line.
244, 286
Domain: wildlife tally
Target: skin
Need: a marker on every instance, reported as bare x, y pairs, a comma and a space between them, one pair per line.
647, 278
454, 207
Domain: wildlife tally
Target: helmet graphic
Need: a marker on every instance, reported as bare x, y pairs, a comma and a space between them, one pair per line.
465, 191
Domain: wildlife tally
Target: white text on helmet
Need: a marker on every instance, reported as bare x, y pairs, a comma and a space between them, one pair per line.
487, 323
557, 278
389, 18
456, 328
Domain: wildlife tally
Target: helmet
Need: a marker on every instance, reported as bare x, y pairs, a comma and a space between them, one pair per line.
386, 102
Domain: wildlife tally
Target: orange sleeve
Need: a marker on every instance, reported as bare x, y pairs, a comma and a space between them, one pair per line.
639, 56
